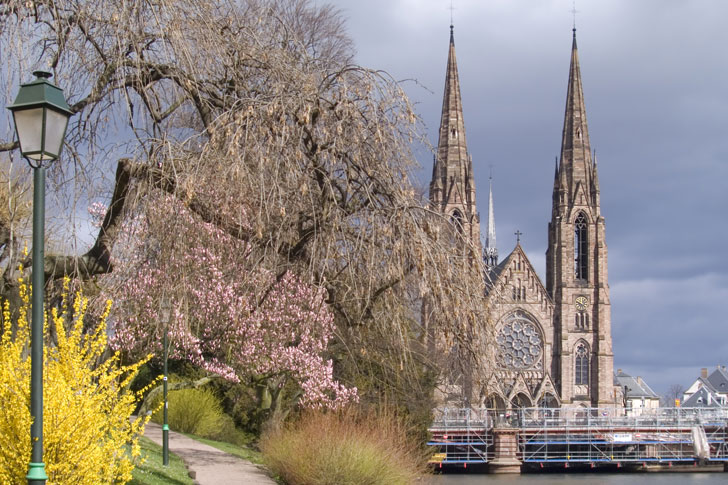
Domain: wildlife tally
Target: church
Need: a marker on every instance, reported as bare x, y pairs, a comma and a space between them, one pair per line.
553, 338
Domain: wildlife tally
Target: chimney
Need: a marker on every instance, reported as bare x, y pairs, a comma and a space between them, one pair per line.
639, 380
704, 372
619, 371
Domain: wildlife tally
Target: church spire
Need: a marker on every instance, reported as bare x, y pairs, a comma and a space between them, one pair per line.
576, 166
576, 262
491, 251
452, 189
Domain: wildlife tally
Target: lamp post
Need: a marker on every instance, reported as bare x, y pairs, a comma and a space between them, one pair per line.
165, 309
41, 116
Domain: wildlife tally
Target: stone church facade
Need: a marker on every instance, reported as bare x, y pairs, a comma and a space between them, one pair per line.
553, 340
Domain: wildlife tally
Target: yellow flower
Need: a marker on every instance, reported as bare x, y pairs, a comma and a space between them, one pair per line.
88, 437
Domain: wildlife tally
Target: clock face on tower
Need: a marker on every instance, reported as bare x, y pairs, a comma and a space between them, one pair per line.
581, 303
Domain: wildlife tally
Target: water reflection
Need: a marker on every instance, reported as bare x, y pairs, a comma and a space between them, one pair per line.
582, 479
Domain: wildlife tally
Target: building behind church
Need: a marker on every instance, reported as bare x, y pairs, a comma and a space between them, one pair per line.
554, 343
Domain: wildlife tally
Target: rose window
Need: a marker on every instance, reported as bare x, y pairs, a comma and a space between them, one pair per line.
519, 343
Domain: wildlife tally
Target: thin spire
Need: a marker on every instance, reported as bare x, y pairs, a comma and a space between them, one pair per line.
575, 147
453, 162
491, 251
452, 189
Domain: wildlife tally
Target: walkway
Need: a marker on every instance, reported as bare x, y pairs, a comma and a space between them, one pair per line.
212, 466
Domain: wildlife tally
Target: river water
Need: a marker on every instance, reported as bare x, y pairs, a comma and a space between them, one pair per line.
584, 479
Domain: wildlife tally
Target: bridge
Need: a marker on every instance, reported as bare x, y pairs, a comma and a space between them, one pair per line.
581, 438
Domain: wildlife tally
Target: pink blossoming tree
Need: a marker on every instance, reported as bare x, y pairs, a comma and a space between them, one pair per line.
259, 174
236, 322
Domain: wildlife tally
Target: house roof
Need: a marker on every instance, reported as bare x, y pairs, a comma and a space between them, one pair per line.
719, 380
636, 387
703, 382
703, 398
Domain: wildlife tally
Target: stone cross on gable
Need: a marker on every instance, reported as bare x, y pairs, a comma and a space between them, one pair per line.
518, 236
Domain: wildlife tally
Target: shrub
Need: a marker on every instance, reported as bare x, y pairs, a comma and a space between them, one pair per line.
195, 411
87, 435
343, 449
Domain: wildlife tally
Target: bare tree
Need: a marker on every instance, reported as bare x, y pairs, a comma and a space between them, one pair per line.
250, 116
674, 392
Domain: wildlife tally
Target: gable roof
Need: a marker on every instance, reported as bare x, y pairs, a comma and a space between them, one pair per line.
493, 276
719, 379
636, 387
703, 382
703, 398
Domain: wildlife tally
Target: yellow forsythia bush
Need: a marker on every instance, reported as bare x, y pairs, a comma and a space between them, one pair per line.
87, 435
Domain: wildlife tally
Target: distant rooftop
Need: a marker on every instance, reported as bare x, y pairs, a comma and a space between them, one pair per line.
635, 387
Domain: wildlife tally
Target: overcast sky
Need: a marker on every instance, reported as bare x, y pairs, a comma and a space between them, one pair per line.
655, 77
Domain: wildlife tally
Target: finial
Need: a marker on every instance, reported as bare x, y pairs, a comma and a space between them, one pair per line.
42, 74
574, 11
518, 236
451, 15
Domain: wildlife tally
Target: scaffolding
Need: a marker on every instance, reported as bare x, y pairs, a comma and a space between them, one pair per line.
597, 435
584, 435
461, 436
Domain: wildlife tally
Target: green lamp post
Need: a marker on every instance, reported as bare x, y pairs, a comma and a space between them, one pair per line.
41, 116
165, 312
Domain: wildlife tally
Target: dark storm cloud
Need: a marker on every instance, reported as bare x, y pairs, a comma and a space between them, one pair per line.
655, 80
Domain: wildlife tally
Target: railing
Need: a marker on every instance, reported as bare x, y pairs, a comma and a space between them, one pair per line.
586, 435
462, 436
615, 417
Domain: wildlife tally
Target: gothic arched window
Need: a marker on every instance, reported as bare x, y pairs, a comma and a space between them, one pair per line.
581, 366
580, 247
457, 219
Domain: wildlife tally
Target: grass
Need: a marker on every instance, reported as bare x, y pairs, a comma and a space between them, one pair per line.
153, 473
244, 452
344, 449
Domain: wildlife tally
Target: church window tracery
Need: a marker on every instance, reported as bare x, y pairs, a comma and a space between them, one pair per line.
519, 340
581, 366
580, 247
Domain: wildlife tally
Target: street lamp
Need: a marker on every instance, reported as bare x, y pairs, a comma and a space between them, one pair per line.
165, 309
41, 116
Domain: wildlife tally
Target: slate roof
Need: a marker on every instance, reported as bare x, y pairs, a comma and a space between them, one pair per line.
702, 398
706, 383
719, 380
493, 274
636, 388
